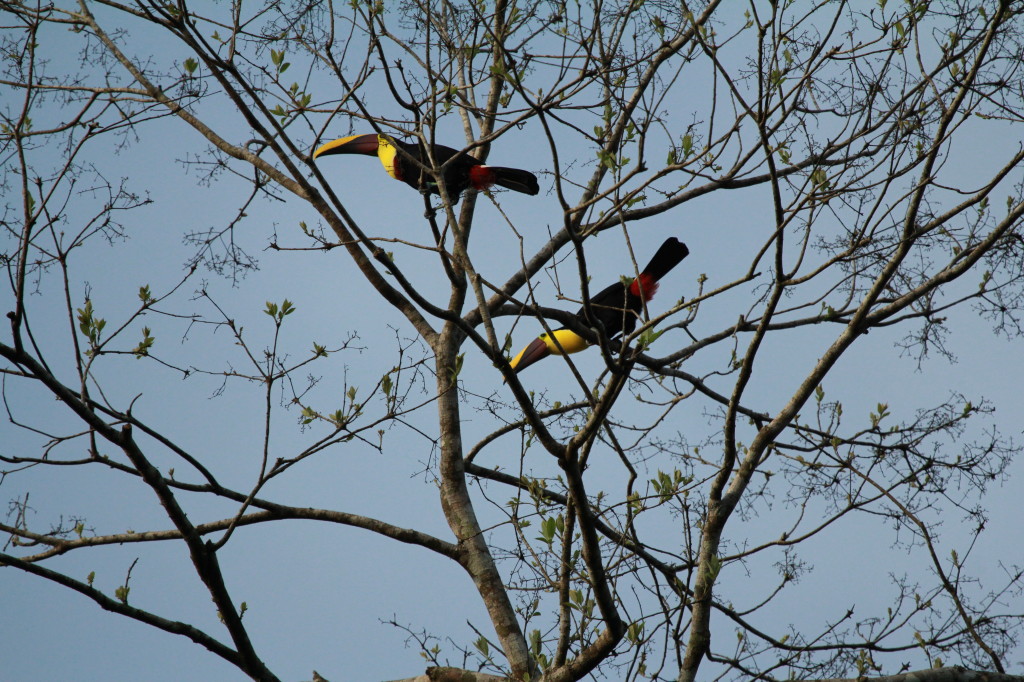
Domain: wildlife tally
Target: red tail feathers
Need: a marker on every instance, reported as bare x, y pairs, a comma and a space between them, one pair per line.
669, 254
644, 285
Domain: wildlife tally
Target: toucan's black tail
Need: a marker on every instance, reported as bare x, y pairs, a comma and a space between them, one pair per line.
515, 179
669, 255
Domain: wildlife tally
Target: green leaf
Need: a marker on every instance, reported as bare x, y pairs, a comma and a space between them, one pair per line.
90, 326
648, 338
455, 371
714, 567
535, 642
881, 413
279, 312
142, 350
820, 178
85, 317
659, 26
191, 65
550, 528
687, 144
635, 632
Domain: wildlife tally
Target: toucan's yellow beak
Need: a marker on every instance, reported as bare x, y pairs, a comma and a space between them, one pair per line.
558, 342
537, 350
353, 144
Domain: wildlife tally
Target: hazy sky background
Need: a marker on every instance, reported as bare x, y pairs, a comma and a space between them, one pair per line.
319, 596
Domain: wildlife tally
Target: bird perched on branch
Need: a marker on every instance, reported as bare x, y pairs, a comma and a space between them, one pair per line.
616, 307
462, 173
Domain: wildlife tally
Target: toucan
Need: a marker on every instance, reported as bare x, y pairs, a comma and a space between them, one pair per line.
463, 173
616, 307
